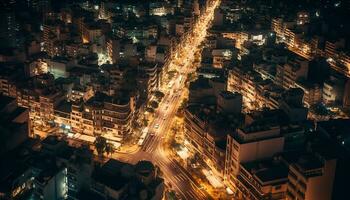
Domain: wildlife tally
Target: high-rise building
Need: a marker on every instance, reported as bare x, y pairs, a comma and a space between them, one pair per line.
9, 30
346, 99
311, 177
288, 74
263, 179
113, 50
255, 141
39, 5
51, 184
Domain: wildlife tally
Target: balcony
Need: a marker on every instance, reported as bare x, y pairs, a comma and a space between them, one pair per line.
292, 179
289, 196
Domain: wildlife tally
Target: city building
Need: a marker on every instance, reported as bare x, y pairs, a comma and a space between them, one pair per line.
10, 29
333, 90
134, 181
205, 133
109, 116
51, 184
312, 93
263, 179
228, 102
91, 33
257, 140
292, 104
14, 124
206, 90
254, 97
245, 81
311, 177
288, 74
113, 50
148, 80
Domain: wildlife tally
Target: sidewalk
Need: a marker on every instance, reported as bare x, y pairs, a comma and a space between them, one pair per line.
128, 149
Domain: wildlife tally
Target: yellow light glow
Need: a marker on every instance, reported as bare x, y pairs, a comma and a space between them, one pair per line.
85, 40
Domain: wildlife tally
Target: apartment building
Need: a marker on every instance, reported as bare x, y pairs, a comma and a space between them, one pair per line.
277, 26
115, 73
344, 59
288, 73
51, 184
78, 164
101, 114
205, 133
244, 81
148, 79
81, 92
211, 115
205, 90
47, 103
113, 50
40, 99
142, 181
311, 177
291, 103
74, 49
258, 140
228, 102
346, 98
312, 93
240, 37
292, 34
150, 53
221, 57
8, 87
91, 32
331, 47
334, 89
263, 179
51, 33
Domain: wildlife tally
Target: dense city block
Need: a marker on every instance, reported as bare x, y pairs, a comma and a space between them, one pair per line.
174, 99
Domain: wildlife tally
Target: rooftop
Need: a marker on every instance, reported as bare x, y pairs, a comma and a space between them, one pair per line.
218, 125
46, 175
100, 98
5, 100
200, 83
65, 107
50, 140
112, 179
267, 170
309, 162
229, 95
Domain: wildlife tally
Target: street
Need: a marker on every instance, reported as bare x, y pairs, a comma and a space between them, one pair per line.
153, 149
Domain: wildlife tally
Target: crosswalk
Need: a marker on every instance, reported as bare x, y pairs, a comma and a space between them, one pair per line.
173, 173
179, 178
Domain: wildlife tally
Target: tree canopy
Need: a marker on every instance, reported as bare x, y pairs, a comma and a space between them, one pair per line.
102, 146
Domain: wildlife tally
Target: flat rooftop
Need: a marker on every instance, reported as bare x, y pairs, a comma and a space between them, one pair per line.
309, 162
229, 95
267, 170
5, 100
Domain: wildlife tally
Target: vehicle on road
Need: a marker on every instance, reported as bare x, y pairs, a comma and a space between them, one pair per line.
156, 126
